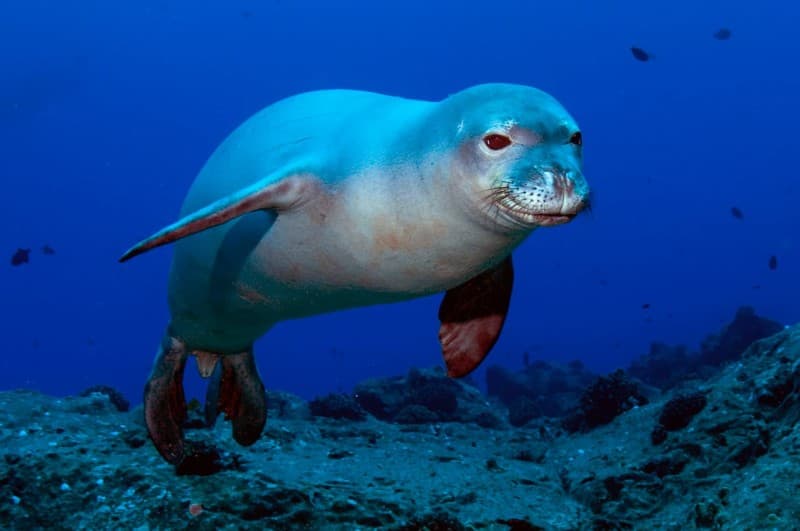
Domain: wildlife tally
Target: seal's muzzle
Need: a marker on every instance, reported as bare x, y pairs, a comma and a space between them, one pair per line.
550, 196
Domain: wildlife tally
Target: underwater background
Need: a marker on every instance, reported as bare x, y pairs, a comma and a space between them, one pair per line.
109, 109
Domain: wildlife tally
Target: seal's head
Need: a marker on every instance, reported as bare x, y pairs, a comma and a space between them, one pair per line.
519, 161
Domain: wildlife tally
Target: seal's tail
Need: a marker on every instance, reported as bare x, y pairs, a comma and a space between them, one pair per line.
235, 389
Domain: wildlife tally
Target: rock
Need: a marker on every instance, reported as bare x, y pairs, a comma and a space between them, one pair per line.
734, 339
439, 521
505, 384
658, 435
486, 419
663, 367
539, 389
382, 397
678, 412
92, 404
667, 466
415, 414
337, 406
282, 405
425, 396
78, 463
666, 366
604, 400
116, 398
705, 514
436, 398
201, 460
523, 410
780, 382
518, 524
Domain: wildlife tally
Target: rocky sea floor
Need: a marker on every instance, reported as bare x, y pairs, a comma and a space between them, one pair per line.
718, 448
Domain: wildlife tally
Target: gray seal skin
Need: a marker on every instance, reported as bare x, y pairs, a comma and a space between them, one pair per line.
336, 199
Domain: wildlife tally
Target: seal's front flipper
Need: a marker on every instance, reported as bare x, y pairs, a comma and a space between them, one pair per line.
472, 316
277, 191
242, 398
164, 402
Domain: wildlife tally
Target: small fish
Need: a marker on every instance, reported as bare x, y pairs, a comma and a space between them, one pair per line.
640, 54
737, 213
46, 249
646, 306
22, 256
773, 262
722, 34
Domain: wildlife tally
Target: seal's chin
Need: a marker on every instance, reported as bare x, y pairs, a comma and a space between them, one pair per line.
549, 220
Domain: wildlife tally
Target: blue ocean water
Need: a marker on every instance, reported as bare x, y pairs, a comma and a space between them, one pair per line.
108, 111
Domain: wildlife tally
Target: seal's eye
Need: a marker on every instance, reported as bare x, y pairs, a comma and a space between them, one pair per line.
496, 142
576, 139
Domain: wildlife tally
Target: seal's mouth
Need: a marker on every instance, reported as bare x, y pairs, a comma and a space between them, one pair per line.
549, 220
545, 198
541, 217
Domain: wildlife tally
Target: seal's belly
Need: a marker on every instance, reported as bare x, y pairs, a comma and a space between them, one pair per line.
302, 268
288, 278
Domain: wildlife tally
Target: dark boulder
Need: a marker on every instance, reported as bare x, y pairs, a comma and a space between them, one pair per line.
114, 396
679, 411
603, 401
337, 406
425, 395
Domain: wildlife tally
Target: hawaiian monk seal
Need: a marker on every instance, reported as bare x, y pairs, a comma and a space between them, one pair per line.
336, 199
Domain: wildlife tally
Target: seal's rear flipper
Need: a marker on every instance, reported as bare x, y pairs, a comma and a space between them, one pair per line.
164, 402
472, 316
242, 398
277, 191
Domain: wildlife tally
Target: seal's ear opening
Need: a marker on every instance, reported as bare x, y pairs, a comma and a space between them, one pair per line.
272, 192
